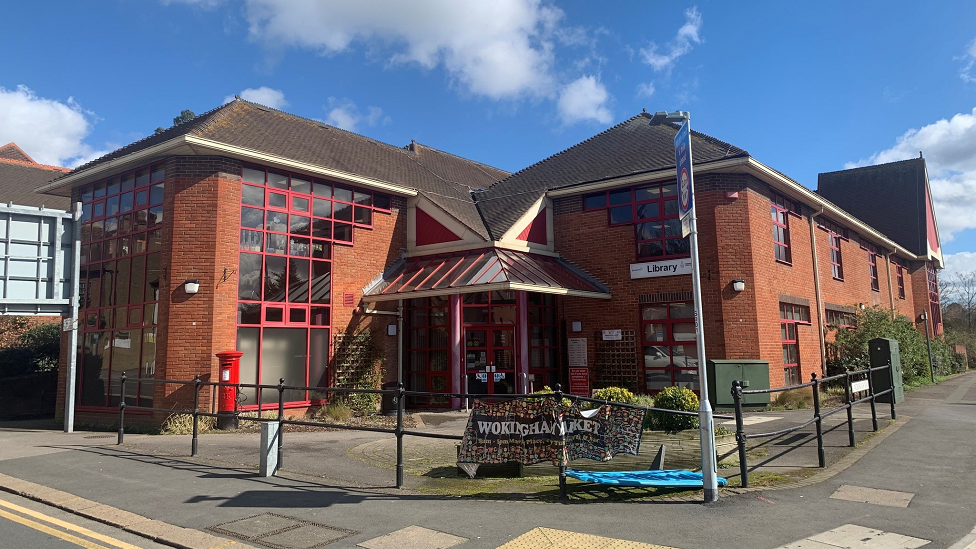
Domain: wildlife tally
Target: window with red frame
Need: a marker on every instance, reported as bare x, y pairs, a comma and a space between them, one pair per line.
780, 209
428, 350
835, 235
790, 317
840, 319
900, 278
873, 266
289, 224
653, 210
543, 340
670, 349
934, 301
121, 243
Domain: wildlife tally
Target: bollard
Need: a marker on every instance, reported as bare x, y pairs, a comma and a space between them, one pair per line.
740, 435
399, 434
121, 410
850, 409
874, 411
821, 458
196, 417
563, 494
281, 417
270, 432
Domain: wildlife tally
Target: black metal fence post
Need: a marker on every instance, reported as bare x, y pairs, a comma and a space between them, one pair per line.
122, 410
874, 411
196, 416
821, 457
399, 434
563, 493
281, 417
740, 435
850, 409
891, 383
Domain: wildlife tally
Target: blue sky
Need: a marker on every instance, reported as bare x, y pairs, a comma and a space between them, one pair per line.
804, 87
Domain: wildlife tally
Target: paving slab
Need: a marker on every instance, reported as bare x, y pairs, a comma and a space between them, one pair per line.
891, 498
413, 537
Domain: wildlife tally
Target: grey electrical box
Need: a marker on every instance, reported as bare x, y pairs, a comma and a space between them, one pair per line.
885, 351
754, 374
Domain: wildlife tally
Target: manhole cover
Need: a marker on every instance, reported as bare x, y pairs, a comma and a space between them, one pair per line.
281, 532
101, 436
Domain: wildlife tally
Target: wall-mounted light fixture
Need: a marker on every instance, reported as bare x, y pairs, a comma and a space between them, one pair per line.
577, 326
738, 285
191, 286
861, 306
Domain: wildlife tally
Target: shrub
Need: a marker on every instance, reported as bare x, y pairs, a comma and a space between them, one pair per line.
675, 398
795, 399
37, 350
335, 412
547, 390
182, 424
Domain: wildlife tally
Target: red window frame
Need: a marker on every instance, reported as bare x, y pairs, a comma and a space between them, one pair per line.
428, 350
835, 234
543, 340
873, 270
658, 335
652, 209
780, 209
900, 279
121, 224
934, 300
840, 319
790, 317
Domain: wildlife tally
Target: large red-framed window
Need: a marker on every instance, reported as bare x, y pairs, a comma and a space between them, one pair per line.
835, 234
899, 276
873, 266
653, 210
543, 340
121, 243
670, 349
790, 317
934, 302
780, 209
289, 225
428, 350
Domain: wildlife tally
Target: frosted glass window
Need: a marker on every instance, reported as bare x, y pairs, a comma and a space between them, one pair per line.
247, 343
283, 354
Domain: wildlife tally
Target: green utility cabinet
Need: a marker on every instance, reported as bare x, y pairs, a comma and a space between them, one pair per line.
754, 374
885, 351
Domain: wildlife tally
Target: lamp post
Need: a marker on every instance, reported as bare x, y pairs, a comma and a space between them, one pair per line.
689, 227
928, 343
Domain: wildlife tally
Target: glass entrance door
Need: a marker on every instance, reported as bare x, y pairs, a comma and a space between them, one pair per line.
490, 360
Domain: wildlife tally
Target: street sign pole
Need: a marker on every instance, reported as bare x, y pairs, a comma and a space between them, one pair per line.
689, 228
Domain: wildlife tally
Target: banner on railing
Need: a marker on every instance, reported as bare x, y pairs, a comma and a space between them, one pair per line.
532, 431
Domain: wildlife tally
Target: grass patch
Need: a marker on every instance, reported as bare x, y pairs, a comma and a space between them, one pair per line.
182, 424
794, 399
335, 412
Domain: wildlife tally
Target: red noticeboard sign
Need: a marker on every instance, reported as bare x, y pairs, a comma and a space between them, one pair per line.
579, 381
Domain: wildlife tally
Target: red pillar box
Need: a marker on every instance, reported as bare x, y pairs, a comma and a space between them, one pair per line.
230, 366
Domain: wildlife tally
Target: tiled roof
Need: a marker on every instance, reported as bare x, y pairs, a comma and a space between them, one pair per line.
443, 178
888, 197
11, 151
631, 147
19, 178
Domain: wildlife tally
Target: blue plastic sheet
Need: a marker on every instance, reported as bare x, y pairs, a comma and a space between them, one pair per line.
674, 478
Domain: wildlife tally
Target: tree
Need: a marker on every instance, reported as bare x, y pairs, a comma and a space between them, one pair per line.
184, 116
958, 293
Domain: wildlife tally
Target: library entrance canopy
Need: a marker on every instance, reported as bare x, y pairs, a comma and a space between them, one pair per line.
482, 270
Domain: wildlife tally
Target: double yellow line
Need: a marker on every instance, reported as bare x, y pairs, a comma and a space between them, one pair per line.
18, 518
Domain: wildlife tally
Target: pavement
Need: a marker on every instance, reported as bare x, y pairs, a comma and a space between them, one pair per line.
909, 485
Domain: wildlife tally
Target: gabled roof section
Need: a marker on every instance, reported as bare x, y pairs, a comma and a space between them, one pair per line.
894, 198
20, 175
11, 151
443, 178
629, 148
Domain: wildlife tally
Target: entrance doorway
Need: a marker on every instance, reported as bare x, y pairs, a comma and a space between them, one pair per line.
489, 359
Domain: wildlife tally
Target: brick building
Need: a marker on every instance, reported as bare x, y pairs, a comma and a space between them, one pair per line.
300, 234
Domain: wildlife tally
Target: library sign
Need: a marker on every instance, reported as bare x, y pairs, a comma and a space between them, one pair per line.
667, 267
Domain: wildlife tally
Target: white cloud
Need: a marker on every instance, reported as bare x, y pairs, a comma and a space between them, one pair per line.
688, 35
949, 147
585, 99
343, 113
500, 50
962, 262
645, 89
967, 73
264, 95
50, 131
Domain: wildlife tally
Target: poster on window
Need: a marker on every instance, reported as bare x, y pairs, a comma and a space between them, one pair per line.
532, 431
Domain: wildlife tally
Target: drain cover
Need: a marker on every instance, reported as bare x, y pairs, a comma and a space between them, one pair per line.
281, 532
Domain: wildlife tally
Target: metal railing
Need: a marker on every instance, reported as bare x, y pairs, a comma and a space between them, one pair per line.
399, 394
849, 402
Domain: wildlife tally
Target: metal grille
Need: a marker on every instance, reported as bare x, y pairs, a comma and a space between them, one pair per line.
616, 361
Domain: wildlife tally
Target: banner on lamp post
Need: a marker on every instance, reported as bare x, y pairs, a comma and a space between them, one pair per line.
686, 184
